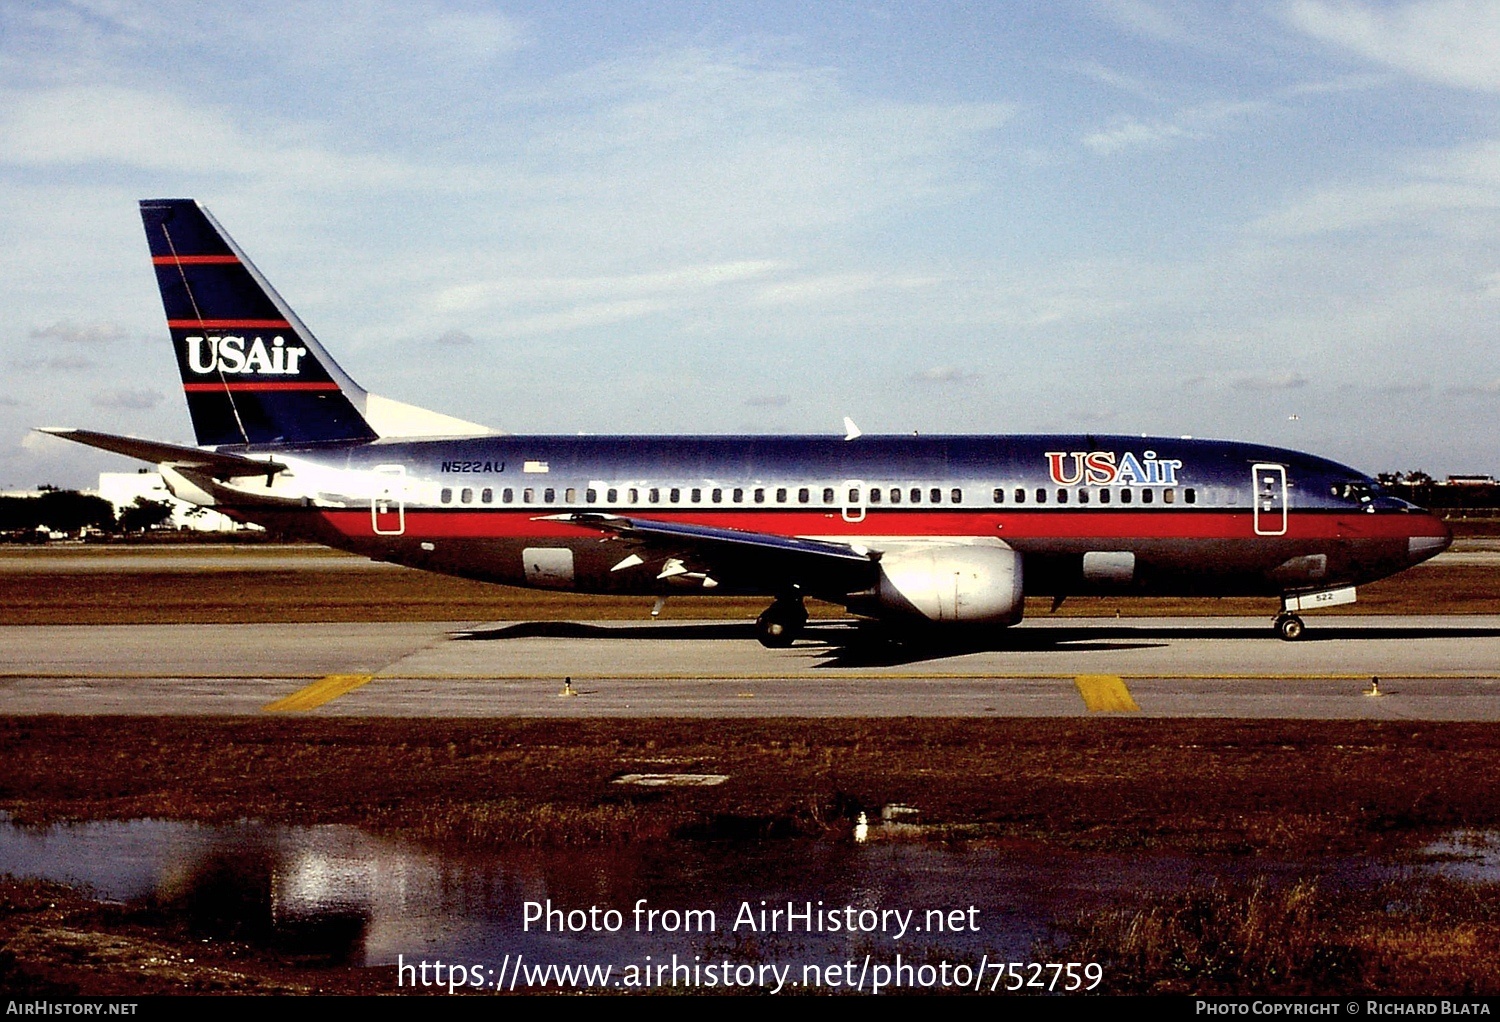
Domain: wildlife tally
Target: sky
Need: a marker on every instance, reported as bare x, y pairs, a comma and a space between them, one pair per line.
1270, 221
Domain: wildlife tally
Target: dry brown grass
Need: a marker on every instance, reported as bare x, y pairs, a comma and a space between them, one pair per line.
1221, 787
1431, 936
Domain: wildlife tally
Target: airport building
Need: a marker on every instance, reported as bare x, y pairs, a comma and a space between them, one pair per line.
122, 489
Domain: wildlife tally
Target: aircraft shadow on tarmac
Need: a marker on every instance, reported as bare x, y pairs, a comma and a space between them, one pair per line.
581, 630
849, 644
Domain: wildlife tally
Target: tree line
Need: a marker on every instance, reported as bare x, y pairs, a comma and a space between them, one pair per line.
1424, 491
71, 512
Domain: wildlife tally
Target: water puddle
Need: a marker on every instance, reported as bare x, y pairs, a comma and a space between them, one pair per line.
346, 894
1472, 856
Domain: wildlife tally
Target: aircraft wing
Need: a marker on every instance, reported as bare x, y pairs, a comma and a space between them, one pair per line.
756, 560
213, 463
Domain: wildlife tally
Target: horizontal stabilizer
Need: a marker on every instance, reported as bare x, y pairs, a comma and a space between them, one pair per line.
219, 466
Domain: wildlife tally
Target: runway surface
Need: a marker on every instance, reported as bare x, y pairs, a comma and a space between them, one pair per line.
1433, 668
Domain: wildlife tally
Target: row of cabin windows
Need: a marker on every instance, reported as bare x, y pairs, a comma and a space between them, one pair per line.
804, 495
758, 495
1081, 495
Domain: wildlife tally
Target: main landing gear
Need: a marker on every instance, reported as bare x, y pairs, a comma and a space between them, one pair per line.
779, 624
1289, 626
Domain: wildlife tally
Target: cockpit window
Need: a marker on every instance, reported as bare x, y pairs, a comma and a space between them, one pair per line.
1354, 492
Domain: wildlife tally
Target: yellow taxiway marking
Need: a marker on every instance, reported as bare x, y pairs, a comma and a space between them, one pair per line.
852, 675
319, 692
1105, 693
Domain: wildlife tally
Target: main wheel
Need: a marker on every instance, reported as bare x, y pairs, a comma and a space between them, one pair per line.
1290, 627
779, 624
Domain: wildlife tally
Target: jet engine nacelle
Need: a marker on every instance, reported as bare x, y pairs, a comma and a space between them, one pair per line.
961, 584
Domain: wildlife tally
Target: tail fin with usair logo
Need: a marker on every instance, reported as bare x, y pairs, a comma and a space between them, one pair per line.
252, 372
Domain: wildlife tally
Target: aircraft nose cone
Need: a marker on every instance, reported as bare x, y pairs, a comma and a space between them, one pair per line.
1420, 548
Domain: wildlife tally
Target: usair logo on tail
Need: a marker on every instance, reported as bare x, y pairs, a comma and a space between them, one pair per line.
230, 354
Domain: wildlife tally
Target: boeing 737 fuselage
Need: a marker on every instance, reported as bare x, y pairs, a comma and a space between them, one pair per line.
936, 531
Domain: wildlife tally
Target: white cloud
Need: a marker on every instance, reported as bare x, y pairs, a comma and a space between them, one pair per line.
1153, 20
1272, 381
55, 363
1488, 389
1193, 122
84, 126
128, 398
1463, 179
1354, 207
79, 333
1450, 42
1131, 133
947, 374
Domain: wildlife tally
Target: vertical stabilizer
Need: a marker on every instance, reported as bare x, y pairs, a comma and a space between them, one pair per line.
252, 373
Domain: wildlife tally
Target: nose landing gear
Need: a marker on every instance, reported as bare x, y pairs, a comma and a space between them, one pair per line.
1289, 626
779, 624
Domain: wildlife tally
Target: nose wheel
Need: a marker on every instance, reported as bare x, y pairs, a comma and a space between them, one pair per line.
1289, 627
779, 624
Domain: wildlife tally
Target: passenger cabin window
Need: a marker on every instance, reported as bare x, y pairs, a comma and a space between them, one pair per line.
854, 494
760, 495
446, 496
874, 495
739, 496
956, 496
654, 495
507, 496
828, 497
916, 495
1104, 496
549, 496
999, 496
487, 496
1124, 496
674, 495
633, 496
895, 496
1169, 496
1062, 496
466, 496
781, 494
1020, 495
936, 495
717, 496
1146, 496
1190, 496
804, 495
1083, 496
697, 495
528, 496
570, 495
1041, 495
591, 495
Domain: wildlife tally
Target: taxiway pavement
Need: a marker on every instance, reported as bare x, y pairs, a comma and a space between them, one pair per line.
1430, 667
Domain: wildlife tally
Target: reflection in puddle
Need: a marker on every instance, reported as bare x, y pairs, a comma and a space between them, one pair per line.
1468, 855
342, 894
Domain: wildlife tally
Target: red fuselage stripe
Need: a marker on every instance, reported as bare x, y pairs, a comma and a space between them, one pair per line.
196, 260
1177, 524
228, 324
279, 385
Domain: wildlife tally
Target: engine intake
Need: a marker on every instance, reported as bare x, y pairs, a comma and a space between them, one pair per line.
967, 584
